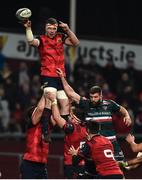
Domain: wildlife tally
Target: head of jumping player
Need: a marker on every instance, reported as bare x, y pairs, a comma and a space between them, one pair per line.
95, 94
51, 27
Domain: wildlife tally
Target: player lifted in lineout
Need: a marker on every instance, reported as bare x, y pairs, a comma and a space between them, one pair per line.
51, 50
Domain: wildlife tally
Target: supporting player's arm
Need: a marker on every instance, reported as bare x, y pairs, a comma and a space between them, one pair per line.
134, 146
137, 160
67, 88
126, 117
71, 39
37, 113
55, 110
132, 163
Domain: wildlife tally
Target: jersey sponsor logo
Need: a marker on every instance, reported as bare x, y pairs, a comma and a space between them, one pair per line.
59, 40
108, 113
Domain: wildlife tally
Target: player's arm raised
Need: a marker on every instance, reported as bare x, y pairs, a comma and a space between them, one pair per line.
67, 88
71, 39
29, 34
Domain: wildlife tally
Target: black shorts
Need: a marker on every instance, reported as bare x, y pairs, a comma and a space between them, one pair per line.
52, 82
33, 170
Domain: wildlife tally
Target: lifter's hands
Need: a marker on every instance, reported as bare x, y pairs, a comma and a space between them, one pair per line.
50, 95
72, 151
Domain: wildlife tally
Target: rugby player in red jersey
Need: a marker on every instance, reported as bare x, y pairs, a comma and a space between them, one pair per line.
75, 134
100, 150
51, 50
35, 158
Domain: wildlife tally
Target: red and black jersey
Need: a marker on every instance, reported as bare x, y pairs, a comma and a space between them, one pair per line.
36, 148
100, 150
51, 51
75, 135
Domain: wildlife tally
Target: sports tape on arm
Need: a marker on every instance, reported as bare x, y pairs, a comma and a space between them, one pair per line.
29, 34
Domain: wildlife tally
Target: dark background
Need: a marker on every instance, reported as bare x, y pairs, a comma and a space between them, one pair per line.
108, 19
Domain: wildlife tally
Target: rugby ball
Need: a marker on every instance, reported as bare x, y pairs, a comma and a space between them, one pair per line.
23, 14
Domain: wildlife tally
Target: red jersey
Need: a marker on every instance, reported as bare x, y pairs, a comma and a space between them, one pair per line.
100, 149
51, 51
76, 138
36, 149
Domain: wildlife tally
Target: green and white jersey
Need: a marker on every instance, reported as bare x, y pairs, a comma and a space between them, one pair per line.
101, 113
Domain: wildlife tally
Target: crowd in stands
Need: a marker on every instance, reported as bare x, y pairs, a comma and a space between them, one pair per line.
20, 88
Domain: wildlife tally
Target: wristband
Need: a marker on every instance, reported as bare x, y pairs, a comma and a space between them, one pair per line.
29, 34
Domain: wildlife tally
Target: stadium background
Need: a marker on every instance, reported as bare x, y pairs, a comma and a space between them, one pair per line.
114, 20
